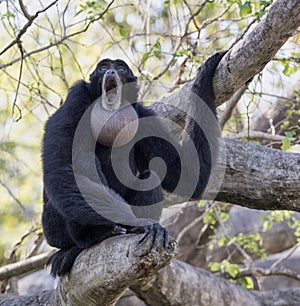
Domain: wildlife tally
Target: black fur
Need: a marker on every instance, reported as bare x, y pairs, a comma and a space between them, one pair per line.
69, 223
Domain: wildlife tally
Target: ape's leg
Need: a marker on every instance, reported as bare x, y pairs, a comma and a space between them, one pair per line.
85, 236
148, 205
54, 226
88, 235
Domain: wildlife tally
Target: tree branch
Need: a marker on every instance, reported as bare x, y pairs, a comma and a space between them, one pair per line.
255, 176
260, 135
26, 26
56, 43
181, 284
97, 278
250, 55
24, 266
260, 177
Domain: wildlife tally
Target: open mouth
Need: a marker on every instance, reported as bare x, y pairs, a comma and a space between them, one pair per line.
111, 88
111, 92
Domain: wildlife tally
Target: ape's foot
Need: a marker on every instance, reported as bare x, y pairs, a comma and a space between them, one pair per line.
155, 237
62, 261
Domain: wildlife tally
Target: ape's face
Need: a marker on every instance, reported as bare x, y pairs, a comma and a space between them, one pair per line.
109, 79
115, 85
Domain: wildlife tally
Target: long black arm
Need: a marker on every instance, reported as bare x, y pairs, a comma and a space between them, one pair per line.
198, 148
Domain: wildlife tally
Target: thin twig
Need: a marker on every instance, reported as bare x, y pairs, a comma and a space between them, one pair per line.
231, 104
57, 42
12, 195
25, 27
14, 106
24, 10
259, 135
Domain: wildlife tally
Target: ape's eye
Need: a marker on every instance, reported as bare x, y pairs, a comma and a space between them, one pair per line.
103, 68
121, 68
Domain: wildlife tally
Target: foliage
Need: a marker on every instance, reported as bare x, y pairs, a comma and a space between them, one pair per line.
290, 218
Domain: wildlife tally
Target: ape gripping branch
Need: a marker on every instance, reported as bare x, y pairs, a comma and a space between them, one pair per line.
96, 279
102, 273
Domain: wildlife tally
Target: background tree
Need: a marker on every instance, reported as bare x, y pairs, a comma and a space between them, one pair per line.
47, 46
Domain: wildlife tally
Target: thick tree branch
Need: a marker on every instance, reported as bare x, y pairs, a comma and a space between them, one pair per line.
96, 279
260, 177
255, 176
181, 284
177, 284
99, 279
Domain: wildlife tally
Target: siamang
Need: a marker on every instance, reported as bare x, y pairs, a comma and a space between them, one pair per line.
100, 182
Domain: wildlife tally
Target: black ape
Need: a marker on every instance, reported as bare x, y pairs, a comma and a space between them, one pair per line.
82, 206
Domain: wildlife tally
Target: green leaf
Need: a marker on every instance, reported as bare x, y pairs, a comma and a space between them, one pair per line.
157, 45
290, 134
233, 270
247, 282
231, 241
145, 57
8, 15
286, 143
123, 32
157, 54
214, 266
2, 164
290, 69
8, 146
245, 9
224, 216
266, 226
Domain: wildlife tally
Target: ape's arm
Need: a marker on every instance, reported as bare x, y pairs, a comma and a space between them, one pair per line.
59, 181
178, 157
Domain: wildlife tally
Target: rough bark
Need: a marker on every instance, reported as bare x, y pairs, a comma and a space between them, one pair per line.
181, 284
45, 298
96, 279
95, 283
260, 177
85, 287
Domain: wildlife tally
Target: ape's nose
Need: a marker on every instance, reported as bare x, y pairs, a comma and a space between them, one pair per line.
111, 72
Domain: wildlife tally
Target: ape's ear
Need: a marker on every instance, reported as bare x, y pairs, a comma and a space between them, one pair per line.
93, 74
133, 78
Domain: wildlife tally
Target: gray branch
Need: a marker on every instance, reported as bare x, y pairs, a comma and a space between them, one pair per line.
187, 285
260, 177
28, 265
102, 273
